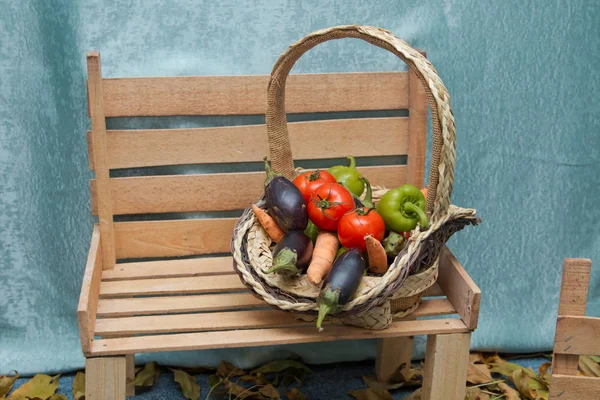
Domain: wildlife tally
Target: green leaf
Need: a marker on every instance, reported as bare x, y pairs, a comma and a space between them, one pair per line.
373, 383
371, 394
216, 385
595, 358
227, 370
504, 367
58, 397
147, 376
529, 386
189, 387
295, 394
42, 386
588, 366
78, 389
6, 383
292, 375
281, 365
269, 392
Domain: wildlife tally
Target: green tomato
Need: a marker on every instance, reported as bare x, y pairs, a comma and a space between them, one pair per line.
349, 177
403, 208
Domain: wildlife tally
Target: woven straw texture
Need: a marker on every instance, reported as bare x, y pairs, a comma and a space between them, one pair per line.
398, 292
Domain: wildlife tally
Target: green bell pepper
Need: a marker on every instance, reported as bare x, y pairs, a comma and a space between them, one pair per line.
403, 208
349, 176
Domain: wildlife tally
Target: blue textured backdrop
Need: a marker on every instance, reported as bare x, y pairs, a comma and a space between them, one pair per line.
523, 77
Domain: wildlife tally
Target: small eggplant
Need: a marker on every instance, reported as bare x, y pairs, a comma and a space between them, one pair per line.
292, 254
341, 283
284, 201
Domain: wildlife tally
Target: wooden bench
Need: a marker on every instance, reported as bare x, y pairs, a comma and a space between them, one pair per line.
576, 335
163, 303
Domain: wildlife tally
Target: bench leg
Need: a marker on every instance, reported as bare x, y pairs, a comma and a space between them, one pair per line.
130, 365
105, 378
392, 353
446, 363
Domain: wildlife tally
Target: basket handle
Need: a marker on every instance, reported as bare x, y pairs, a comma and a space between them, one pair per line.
441, 176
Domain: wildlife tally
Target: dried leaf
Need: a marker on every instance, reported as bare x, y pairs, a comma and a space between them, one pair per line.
510, 393
529, 384
147, 376
58, 397
269, 392
281, 365
240, 392
476, 394
476, 358
371, 394
373, 383
543, 371
189, 387
6, 383
478, 373
295, 394
588, 366
407, 375
216, 385
78, 388
416, 395
228, 370
42, 386
293, 375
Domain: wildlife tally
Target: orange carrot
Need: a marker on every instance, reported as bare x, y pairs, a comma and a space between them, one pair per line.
377, 257
424, 191
323, 256
268, 223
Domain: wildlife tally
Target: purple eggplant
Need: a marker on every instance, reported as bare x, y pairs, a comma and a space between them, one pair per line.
284, 201
292, 254
341, 283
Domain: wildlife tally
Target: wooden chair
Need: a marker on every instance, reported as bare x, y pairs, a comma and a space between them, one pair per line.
576, 335
116, 322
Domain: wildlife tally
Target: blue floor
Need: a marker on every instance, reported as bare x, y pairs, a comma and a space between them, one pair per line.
332, 381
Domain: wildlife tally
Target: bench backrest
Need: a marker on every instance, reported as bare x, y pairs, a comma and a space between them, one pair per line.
576, 335
232, 95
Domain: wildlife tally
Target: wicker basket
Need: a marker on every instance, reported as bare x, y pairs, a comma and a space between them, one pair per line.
398, 292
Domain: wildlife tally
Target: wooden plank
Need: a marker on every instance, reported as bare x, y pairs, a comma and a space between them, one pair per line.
417, 127
208, 192
565, 387
177, 304
573, 300
90, 289
577, 335
263, 337
445, 370
434, 291
170, 268
196, 284
392, 353
433, 307
246, 95
460, 289
196, 322
173, 238
230, 144
104, 202
105, 378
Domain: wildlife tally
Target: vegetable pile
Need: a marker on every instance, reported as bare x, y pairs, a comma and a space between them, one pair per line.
312, 216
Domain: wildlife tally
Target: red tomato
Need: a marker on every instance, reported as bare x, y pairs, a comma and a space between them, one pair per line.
328, 204
309, 181
358, 223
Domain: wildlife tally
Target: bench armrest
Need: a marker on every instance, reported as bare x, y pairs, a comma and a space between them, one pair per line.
90, 291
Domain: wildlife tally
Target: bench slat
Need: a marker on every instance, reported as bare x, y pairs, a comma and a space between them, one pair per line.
196, 284
577, 335
246, 95
170, 268
195, 322
173, 238
208, 192
177, 304
262, 337
230, 144
564, 387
